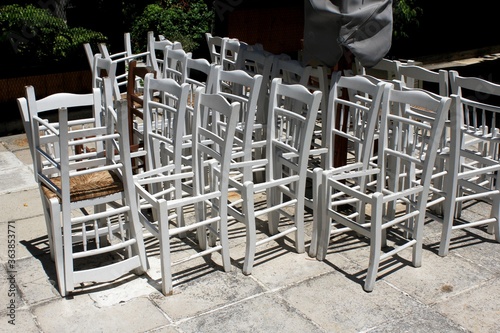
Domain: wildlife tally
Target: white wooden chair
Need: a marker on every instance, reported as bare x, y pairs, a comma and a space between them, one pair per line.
157, 49
158, 188
370, 210
474, 156
88, 197
162, 125
350, 130
287, 149
314, 79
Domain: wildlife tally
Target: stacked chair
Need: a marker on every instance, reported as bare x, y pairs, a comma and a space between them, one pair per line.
473, 158
85, 179
287, 151
386, 202
352, 122
162, 199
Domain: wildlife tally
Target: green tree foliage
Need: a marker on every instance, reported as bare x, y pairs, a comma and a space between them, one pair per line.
34, 36
178, 20
405, 18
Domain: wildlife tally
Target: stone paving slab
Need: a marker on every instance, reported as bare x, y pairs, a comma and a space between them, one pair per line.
206, 293
263, 313
30, 236
430, 285
20, 205
22, 321
14, 175
337, 304
477, 309
81, 314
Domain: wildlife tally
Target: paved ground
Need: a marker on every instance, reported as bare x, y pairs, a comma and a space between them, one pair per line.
287, 292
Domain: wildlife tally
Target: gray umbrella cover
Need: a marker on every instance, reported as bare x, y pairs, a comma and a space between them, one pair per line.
362, 26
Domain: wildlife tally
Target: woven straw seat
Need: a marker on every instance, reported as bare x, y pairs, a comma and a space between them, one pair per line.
88, 186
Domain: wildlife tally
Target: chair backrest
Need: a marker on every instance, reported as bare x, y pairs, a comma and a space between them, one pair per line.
156, 49
290, 71
105, 67
175, 61
289, 132
409, 139
238, 86
126, 52
386, 69
475, 116
212, 145
215, 47
122, 59
230, 54
413, 76
164, 117
198, 73
89, 53
51, 105
135, 91
47, 107
351, 119
254, 62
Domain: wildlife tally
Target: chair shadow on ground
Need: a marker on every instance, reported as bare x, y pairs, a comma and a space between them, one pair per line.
348, 242
39, 249
465, 237
180, 275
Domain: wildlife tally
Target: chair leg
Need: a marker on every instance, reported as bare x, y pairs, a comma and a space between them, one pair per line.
316, 180
56, 231
324, 222
317, 208
449, 207
273, 197
47, 212
299, 224
251, 237
223, 236
179, 210
135, 229
418, 236
494, 227
201, 232
165, 256
375, 243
